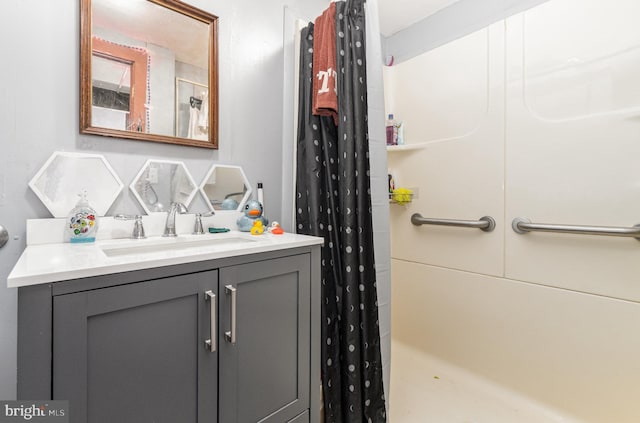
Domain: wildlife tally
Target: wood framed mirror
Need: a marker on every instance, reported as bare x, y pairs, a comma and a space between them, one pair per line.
149, 71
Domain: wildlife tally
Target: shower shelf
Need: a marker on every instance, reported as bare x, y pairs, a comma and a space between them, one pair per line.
405, 147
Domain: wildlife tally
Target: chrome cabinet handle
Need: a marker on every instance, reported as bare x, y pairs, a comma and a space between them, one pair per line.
523, 225
485, 223
230, 336
211, 343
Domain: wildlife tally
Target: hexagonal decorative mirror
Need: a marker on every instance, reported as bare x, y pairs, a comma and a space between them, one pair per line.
225, 187
65, 175
162, 182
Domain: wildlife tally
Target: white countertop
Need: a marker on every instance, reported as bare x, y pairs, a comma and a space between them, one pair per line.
62, 261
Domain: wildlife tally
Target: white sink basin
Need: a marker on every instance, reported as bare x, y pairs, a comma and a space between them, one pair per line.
171, 244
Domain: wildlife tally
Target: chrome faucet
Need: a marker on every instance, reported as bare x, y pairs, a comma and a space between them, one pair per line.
170, 225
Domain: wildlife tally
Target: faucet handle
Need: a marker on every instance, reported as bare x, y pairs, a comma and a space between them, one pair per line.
179, 207
198, 229
138, 229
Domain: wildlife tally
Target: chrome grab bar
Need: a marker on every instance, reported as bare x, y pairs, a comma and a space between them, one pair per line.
485, 223
523, 225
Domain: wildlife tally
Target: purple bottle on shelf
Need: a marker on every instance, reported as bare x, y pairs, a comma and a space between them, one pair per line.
392, 131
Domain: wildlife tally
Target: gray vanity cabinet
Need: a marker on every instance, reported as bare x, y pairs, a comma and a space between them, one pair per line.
264, 369
135, 353
131, 347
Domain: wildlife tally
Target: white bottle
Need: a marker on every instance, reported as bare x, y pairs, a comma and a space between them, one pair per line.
400, 133
260, 195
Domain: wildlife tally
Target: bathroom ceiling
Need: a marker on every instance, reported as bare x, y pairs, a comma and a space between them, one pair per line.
396, 15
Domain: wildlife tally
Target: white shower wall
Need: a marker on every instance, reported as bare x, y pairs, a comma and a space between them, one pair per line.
379, 194
535, 116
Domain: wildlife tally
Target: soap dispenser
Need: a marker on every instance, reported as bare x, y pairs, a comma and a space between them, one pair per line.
82, 223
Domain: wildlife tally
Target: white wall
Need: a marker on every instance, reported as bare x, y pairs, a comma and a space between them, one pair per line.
542, 124
379, 193
162, 82
577, 354
450, 23
39, 109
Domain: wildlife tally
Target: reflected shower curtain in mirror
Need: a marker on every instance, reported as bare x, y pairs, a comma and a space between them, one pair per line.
334, 202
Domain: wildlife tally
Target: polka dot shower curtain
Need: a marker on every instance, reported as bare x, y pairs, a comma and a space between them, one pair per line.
334, 202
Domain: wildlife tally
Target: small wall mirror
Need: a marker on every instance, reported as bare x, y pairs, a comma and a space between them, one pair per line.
225, 187
160, 183
148, 71
64, 175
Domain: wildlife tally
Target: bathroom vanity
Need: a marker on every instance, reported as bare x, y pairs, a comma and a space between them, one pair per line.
209, 328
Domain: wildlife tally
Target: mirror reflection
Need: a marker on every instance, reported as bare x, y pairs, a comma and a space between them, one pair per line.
160, 183
64, 175
148, 71
225, 187
192, 109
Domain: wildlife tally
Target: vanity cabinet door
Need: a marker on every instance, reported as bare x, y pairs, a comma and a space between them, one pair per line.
136, 353
264, 375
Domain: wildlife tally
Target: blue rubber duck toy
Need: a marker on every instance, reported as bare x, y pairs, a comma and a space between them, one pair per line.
252, 212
